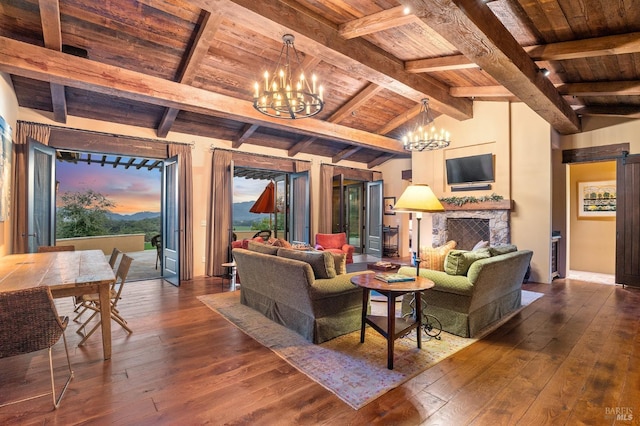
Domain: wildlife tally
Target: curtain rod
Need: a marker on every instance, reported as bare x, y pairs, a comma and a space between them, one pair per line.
95, 132
213, 148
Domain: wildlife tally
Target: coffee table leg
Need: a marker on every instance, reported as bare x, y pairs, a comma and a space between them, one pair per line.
391, 328
418, 296
365, 303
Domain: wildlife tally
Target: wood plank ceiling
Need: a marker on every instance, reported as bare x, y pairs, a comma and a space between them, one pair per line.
189, 65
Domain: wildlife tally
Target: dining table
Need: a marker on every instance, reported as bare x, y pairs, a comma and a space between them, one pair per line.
67, 273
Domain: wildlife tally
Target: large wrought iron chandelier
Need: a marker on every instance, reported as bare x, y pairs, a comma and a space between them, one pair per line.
423, 137
279, 96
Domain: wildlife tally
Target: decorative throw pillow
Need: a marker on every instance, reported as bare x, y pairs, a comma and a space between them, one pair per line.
262, 248
503, 249
340, 261
480, 244
433, 258
321, 262
459, 261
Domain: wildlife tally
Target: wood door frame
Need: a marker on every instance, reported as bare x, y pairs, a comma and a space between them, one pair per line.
612, 152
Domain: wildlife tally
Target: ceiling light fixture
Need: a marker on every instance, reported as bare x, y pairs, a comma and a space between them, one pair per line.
280, 98
545, 72
422, 138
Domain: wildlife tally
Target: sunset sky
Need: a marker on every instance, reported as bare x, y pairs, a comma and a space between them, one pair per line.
133, 190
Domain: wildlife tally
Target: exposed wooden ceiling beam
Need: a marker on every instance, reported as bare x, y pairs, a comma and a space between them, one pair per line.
390, 18
208, 27
344, 111
604, 88
624, 111
478, 34
243, 135
42, 64
574, 49
300, 146
379, 160
52, 35
360, 99
318, 37
345, 153
400, 120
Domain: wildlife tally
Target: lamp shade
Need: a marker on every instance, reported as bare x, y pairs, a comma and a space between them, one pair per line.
418, 198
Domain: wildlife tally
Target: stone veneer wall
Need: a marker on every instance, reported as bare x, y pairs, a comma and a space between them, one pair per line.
498, 225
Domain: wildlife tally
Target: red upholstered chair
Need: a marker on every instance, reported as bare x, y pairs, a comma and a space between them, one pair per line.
335, 243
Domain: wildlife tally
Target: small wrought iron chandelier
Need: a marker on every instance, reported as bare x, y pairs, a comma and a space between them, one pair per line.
424, 138
280, 97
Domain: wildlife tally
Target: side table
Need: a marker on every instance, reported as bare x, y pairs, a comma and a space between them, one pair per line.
391, 327
232, 280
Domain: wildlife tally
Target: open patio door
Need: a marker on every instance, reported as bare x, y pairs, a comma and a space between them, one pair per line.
42, 197
299, 203
373, 222
170, 222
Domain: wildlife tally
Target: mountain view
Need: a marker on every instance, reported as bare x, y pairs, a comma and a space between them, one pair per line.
134, 216
242, 215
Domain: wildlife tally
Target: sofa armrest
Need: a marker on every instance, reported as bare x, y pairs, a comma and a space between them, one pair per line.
330, 287
348, 248
457, 284
319, 247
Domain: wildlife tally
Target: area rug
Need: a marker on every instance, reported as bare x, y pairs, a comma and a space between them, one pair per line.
357, 373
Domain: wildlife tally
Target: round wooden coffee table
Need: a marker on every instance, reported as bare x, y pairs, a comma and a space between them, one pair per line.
391, 327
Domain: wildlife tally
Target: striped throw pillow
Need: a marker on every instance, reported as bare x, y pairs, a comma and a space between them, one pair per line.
433, 257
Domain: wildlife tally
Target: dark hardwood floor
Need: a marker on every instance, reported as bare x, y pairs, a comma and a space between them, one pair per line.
569, 358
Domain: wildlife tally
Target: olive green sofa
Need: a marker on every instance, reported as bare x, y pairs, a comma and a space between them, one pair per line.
286, 290
465, 304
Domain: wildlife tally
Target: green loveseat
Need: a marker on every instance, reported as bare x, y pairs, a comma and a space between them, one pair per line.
287, 291
465, 304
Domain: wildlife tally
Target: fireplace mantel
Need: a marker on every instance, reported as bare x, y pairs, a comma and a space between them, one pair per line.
483, 205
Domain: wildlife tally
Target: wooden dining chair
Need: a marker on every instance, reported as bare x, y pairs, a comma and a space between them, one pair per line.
78, 307
29, 322
114, 257
48, 249
92, 302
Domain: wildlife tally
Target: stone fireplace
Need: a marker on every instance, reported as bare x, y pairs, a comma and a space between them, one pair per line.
472, 222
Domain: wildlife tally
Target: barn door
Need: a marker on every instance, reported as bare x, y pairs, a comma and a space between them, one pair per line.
628, 221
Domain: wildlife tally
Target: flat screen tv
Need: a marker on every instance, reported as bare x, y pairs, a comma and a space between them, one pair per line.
468, 170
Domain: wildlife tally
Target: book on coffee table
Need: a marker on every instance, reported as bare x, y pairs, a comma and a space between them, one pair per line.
394, 278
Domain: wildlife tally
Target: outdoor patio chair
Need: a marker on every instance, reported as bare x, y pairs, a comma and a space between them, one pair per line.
29, 322
156, 242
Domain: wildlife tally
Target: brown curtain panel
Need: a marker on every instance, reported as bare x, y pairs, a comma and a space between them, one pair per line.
24, 131
185, 206
219, 213
326, 193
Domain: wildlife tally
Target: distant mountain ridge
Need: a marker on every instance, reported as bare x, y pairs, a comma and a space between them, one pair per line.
134, 216
241, 212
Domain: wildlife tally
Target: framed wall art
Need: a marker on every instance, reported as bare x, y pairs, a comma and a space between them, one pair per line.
389, 202
597, 199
